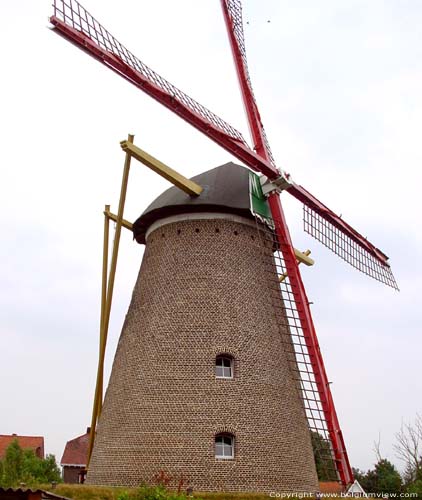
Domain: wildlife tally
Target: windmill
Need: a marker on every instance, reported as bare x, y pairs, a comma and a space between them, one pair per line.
301, 348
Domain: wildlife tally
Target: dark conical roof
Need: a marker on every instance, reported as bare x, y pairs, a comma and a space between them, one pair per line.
226, 190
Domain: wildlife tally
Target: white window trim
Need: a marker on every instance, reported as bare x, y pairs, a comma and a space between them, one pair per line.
226, 457
231, 366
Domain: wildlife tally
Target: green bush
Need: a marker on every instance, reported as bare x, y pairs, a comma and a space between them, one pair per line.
23, 466
415, 487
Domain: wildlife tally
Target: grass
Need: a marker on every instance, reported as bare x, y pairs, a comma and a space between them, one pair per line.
86, 492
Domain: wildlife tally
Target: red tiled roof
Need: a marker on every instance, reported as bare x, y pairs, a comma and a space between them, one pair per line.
35, 443
76, 451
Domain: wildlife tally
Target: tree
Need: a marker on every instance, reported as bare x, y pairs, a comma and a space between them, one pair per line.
359, 475
408, 448
384, 478
23, 466
50, 470
388, 479
12, 464
415, 487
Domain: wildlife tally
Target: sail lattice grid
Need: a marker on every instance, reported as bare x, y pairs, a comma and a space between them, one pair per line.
297, 353
76, 17
235, 10
347, 249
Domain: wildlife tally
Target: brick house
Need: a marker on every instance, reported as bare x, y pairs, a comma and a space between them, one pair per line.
35, 443
74, 459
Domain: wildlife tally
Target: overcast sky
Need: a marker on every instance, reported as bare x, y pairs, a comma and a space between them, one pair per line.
339, 89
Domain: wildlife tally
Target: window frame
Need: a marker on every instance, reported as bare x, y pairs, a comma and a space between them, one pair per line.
222, 436
224, 357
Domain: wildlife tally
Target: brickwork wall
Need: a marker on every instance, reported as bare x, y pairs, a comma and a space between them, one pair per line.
203, 289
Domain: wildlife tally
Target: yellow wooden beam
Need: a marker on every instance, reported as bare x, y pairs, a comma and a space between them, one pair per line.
302, 258
160, 168
106, 302
113, 217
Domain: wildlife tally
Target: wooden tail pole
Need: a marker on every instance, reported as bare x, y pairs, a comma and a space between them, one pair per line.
107, 295
97, 406
99, 397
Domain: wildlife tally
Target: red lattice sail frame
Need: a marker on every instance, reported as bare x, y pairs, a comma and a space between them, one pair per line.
345, 247
74, 23
319, 221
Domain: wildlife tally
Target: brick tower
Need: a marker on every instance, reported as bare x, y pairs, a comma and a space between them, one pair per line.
201, 385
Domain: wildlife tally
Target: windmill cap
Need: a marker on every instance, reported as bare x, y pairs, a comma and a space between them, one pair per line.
226, 190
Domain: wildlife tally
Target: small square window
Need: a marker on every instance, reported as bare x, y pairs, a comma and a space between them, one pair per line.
224, 446
224, 367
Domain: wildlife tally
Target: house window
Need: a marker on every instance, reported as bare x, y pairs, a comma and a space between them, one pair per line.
224, 366
224, 446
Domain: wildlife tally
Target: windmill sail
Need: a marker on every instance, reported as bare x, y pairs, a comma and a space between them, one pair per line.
72, 21
319, 221
336, 234
233, 13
